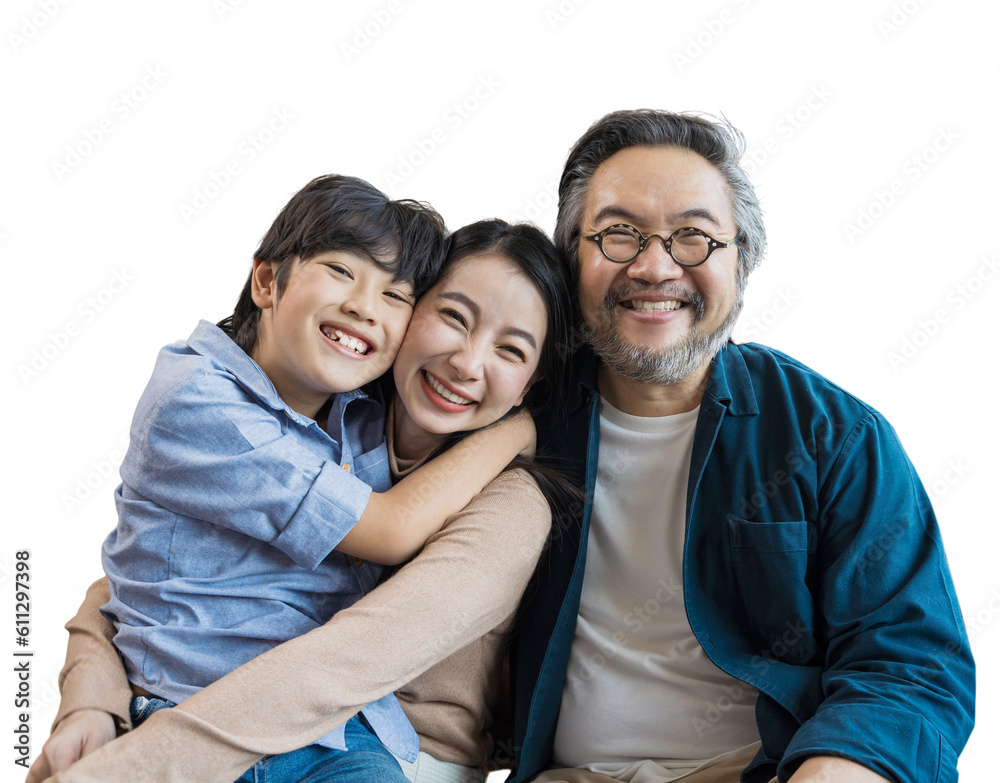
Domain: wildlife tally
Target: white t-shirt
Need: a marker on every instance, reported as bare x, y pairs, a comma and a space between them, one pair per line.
642, 702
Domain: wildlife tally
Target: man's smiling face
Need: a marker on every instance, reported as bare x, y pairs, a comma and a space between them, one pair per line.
653, 320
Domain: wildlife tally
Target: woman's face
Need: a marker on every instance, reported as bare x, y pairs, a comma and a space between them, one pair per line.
471, 351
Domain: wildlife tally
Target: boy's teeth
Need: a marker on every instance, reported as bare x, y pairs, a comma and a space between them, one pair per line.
448, 395
672, 304
356, 345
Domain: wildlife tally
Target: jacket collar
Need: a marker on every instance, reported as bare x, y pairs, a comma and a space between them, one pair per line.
729, 382
583, 375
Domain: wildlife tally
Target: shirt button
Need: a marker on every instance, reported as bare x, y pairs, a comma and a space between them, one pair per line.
346, 467
358, 561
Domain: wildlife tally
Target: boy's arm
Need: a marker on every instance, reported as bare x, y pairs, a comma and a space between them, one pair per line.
466, 581
397, 523
95, 690
204, 450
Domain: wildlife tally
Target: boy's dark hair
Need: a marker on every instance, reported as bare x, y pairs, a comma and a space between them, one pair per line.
334, 212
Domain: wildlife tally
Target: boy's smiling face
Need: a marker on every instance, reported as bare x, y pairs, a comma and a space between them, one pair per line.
336, 326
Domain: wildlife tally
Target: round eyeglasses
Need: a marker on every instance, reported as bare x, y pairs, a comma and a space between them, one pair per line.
687, 246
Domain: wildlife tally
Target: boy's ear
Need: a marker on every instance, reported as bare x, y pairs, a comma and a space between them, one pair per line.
263, 283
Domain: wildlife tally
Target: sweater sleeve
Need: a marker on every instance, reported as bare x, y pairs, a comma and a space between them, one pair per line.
465, 582
93, 676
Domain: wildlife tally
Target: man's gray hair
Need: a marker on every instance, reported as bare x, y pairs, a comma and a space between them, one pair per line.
717, 141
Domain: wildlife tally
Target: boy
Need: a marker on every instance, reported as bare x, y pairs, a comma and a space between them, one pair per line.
254, 455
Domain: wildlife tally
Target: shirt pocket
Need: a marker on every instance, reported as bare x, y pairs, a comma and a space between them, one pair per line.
372, 467
772, 565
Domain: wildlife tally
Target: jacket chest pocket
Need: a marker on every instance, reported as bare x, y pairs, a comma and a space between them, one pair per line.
772, 565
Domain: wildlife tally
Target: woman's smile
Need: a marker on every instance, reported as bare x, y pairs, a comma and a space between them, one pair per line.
471, 351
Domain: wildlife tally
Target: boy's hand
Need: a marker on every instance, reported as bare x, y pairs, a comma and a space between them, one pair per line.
78, 734
523, 427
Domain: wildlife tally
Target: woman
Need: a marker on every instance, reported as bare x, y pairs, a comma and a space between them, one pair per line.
485, 336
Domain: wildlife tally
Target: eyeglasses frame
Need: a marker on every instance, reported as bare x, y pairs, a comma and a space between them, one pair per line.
713, 243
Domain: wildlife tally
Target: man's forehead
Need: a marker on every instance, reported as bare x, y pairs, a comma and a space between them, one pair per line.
658, 185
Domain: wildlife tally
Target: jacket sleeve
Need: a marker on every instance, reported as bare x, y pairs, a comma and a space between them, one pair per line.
94, 676
202, 449
466, 581
899, 680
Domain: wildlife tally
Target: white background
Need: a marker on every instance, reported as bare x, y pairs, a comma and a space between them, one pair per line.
114, 238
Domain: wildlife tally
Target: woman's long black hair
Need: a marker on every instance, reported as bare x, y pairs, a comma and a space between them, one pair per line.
527, 247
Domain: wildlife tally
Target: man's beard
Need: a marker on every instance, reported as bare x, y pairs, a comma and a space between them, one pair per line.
666, 365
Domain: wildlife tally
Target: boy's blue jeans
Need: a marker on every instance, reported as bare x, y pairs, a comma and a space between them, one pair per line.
364, 761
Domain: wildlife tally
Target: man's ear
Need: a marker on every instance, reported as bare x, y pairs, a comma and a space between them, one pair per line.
534, 379
263, 283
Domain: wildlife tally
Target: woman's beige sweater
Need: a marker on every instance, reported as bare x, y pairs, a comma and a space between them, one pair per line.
435, 633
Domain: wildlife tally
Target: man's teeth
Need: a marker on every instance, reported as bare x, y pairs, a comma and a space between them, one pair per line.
356, 345
448, 395
670, 304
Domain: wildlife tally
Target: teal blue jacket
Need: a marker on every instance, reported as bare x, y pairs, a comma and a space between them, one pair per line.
813, 570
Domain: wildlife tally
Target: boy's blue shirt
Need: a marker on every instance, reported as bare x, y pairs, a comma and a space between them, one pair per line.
229, 509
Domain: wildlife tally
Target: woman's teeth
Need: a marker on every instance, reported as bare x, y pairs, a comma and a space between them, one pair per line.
448, 395
356, 345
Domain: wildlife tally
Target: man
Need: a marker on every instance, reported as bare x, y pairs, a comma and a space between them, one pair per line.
756, 581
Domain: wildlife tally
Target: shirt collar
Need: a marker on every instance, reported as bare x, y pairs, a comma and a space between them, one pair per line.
210, 341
